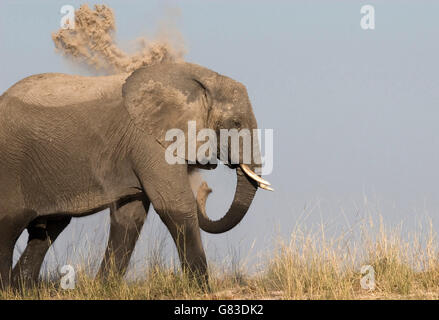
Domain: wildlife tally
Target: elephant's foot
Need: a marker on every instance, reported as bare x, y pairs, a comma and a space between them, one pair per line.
198, 273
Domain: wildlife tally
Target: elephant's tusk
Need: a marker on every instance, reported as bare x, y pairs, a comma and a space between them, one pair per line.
263, 186
254, 176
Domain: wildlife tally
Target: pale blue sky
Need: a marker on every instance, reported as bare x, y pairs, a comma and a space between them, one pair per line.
354, 112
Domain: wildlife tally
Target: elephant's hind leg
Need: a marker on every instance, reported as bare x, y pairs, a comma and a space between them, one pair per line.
42, 233
126, 224
11, 226
6, 252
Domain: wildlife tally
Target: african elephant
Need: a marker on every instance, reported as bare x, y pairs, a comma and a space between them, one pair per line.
72, 146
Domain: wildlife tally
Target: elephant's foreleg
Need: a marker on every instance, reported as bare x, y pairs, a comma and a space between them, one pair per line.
126, 224
41, 236
171, 195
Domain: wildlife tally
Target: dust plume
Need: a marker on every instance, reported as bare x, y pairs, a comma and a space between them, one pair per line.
92, 43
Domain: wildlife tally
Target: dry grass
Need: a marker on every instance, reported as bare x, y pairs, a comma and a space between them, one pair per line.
309, 265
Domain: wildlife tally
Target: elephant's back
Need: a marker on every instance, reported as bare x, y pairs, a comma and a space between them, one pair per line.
58, 90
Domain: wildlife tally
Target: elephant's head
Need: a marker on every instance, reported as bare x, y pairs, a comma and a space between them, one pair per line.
167, 96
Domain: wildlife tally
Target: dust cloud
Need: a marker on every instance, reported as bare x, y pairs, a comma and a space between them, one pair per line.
92, 43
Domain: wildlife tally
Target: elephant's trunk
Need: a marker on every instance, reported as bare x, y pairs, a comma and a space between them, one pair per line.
244, 194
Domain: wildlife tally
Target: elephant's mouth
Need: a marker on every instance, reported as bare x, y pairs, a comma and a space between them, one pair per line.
207, 166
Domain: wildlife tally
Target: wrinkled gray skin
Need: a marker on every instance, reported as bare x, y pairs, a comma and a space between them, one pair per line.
72, 146
127, 219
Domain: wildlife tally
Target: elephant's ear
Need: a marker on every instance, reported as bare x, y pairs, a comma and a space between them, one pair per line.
161, 98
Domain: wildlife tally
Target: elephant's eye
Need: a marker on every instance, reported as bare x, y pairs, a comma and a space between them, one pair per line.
236, 123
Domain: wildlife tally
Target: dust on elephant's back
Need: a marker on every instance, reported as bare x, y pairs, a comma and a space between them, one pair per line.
57, 90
